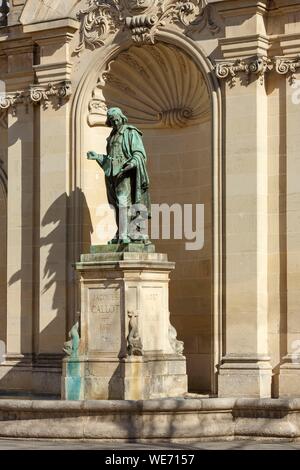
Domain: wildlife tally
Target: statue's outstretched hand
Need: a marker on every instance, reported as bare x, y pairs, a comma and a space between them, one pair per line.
92, 155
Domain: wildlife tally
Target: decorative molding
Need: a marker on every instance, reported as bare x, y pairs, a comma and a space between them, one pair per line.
71, 347
171, 94
143, 18
256, 67
134, 342
37, 94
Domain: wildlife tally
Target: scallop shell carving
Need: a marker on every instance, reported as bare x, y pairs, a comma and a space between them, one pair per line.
156, 87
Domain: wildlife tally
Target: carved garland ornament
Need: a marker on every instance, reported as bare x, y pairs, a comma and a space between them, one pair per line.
257, 67
142, 18
37, 94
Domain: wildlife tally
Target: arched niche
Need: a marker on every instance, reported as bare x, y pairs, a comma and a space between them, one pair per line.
168, 94
3, 251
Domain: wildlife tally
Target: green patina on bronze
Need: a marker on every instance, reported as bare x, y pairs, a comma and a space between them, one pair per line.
73, 378
124, 248
126, 177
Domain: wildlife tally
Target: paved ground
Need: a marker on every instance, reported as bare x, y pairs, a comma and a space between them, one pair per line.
90, 445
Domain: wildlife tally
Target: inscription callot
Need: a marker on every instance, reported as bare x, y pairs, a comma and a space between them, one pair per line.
104, 320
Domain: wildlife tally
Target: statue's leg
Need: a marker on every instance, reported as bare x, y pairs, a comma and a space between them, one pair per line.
112, 200
123, 193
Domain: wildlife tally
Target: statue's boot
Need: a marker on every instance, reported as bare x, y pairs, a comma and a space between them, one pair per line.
124, 240
115, 239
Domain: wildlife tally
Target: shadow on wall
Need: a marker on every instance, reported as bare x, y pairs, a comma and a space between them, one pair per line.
54, 298
3, 249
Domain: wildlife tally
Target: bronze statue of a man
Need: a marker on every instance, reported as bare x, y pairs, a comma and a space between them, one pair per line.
126, 177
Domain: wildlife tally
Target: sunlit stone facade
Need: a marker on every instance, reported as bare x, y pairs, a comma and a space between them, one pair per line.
214, 87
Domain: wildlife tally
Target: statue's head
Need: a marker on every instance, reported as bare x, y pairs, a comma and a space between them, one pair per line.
115, 118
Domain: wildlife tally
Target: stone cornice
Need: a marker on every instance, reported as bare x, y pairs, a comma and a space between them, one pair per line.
230, 8
245, 46
284, 6
37, 94
256, 67
52, 27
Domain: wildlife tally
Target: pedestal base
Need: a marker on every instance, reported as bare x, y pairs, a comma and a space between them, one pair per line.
132, 378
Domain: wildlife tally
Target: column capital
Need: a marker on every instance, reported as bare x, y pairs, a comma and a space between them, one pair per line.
59, 91
256, 67
252, 67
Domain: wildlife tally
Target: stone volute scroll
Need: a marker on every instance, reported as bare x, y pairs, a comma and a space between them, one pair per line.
258, 67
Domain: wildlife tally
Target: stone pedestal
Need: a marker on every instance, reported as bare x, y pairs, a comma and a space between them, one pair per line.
128, 349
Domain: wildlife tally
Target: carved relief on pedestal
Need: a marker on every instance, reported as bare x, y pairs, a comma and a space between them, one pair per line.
156, 86
142, 18
176, 345
287, 66
71, 347
134, 342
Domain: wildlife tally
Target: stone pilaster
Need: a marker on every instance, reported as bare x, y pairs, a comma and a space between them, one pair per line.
289, 376
245, 368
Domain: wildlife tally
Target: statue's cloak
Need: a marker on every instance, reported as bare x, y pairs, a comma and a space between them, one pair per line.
135, 153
